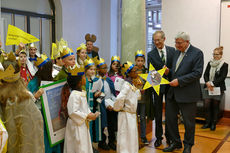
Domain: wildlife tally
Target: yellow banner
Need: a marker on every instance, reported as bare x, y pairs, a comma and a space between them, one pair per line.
16, 35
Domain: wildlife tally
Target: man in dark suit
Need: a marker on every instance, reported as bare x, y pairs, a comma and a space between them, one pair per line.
184, 92
160, 56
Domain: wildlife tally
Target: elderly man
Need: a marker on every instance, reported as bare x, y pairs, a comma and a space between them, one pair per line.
160, 56
184, 92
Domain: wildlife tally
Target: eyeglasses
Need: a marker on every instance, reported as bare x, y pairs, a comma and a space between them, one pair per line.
216, 54
179, 43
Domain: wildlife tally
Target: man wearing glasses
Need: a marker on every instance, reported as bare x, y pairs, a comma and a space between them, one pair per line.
184, 92
159, 57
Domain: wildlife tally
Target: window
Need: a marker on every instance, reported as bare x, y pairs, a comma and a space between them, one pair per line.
153, 21
36, 17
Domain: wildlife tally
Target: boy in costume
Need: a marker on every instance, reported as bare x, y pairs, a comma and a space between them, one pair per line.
126, 103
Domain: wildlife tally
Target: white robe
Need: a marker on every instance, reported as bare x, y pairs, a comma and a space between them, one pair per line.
77, 136
31, 67
126, 103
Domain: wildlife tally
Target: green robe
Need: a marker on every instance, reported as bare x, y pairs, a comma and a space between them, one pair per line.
62, 74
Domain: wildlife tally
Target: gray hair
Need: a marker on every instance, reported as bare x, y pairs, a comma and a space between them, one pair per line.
161, 32
183, 35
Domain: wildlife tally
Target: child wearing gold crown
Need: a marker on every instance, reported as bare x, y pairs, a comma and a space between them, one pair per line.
81, 54
24, 70
126, 104
68, 60
108, 90
19, 111
94, 126
77, 136
141, 107
32, 58
56, 57
115, 69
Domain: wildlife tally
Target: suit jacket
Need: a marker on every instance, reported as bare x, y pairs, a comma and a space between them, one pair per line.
188, 75
219, 77
155, 59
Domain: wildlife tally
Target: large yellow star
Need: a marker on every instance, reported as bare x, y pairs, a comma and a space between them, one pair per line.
154, 78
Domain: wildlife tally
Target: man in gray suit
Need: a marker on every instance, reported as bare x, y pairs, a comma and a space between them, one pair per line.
184, 92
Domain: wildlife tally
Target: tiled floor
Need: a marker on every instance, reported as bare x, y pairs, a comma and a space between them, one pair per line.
206, 141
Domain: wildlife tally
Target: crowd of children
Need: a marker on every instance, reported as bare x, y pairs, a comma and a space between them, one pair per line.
92, 113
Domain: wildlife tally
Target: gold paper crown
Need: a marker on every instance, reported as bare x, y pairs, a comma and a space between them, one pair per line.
55, 54
66, 52
115, 58
88, 62
99, 62
23, 51
32, 45
127, 67
82, 46
41, 60
139, 53
76, 71
8, 75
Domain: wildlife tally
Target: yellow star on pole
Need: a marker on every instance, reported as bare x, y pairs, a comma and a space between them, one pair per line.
154, 78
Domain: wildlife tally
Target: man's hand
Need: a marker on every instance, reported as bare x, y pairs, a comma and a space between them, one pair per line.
167, 70
174, 83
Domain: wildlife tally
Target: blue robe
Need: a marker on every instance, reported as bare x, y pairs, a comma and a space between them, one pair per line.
102, 105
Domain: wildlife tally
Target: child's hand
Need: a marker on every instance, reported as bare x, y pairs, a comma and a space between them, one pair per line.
21, 46
91, 116
39, 93
97, 94
110, 108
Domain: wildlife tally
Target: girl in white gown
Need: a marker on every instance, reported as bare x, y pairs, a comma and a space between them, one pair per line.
77, 136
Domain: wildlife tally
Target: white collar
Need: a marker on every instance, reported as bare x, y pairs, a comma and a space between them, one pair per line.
163, 49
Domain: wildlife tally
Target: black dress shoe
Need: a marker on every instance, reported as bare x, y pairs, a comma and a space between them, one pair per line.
205, 126
157, 143
213, 127
172, 147
103, 146
187, 149
168, 141
112, 146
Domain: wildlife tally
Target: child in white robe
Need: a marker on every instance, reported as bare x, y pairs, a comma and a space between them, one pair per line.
77, 136
126, 104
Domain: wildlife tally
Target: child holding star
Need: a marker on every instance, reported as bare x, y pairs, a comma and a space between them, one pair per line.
126, 104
